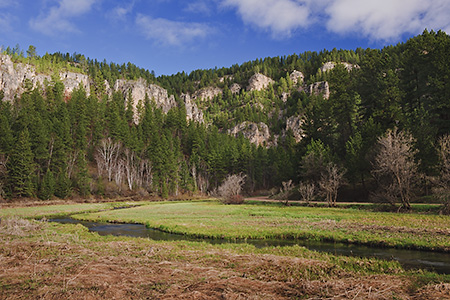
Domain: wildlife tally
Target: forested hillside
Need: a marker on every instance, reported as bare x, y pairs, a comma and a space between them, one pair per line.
274, 119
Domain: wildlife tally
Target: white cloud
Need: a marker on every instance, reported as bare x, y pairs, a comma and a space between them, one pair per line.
173, 33
375, 19
280, 17
199, 6
58, 18
120, 13
386, 19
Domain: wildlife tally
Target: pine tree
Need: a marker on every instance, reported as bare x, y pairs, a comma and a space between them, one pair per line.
6, 136
47, 188
21, 167
63, 185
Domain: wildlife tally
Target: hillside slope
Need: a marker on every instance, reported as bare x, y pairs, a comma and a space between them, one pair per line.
88, 127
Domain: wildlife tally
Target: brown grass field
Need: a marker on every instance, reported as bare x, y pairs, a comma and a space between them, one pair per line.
42, 260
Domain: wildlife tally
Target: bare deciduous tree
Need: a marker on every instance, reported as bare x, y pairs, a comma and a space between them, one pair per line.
119, 172
107, 157
230, 190
145, 179
395, 168
330, 182
442, 182
284, 191
307, 191
123, 165
131, 168
71, 162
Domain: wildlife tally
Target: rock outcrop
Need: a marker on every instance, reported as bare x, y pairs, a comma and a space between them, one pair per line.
258, 82
207, 93
139, 88
193, 113
235, 88
297, 77
256, 133
13, 77
330, 66
295, 123
319, 88
73, 80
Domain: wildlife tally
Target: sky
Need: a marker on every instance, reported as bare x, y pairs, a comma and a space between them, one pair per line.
171, 36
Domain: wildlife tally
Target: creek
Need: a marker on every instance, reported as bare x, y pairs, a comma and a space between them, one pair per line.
409, 259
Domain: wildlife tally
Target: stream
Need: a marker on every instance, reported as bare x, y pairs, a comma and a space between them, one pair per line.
409, 259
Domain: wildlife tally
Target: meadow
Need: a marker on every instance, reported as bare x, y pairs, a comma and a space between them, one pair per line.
211, 219
46, 260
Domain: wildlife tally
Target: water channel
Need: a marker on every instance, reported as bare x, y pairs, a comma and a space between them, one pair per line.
409, 259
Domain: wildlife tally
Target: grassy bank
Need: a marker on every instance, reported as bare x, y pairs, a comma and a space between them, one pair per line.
41, 260
63, 209
214, 220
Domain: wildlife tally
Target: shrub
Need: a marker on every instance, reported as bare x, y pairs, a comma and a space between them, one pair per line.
307, 191
230, 189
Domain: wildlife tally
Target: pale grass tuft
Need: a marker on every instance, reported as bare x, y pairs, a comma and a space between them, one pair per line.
17, 226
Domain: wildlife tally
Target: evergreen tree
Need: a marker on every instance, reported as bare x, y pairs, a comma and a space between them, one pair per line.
63, 185
47, 188
6, 136
21, 167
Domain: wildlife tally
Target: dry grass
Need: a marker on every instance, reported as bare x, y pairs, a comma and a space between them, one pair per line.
18, 227
67, 262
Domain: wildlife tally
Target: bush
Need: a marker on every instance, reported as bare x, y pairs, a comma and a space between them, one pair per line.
238, 199
230, 189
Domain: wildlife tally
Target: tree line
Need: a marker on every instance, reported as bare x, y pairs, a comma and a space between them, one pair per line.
91, 145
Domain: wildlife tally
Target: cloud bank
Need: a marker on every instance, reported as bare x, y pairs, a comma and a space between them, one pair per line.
280, 17
57, 19
374, 19
387, 19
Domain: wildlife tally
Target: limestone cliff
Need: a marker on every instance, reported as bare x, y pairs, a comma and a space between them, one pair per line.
207, 93
257, 133
139, 88
295, 123
258, 82
73, 80
193, 113
319, 88
297, 77
235, 88
13, 77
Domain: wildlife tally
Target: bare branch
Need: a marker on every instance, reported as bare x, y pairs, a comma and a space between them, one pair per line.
395, 168
230, 190
307, 191
107, 157
442, 182
330, 182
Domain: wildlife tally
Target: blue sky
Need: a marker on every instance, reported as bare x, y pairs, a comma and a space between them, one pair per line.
170, 36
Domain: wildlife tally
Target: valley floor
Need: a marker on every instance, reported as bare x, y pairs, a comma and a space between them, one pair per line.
44, 260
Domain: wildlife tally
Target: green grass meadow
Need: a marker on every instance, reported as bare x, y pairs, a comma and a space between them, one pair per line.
212, 219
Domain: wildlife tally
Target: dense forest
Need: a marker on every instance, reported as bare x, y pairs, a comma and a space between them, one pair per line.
54, 146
